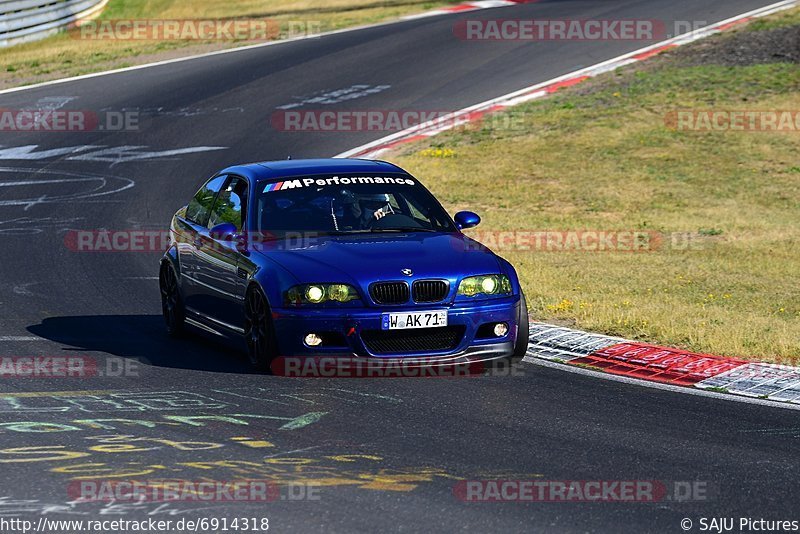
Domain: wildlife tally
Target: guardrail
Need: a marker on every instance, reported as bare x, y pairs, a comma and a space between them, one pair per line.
22, 21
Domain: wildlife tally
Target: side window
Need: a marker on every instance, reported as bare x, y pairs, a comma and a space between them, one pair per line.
199, 207
231, 204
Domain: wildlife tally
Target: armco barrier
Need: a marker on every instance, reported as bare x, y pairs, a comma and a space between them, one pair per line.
22, 21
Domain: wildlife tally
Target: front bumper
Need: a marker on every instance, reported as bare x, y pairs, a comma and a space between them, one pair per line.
346, 325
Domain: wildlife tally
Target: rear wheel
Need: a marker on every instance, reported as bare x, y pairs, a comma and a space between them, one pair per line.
171, 302
258, 331
521, 344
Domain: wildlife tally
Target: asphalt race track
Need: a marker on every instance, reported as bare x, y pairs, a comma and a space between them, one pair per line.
388, 453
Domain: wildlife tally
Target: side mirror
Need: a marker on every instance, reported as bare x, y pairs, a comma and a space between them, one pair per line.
467, 219
223, 232
228, 233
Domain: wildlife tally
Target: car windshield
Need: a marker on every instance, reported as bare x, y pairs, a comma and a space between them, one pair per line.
348, 204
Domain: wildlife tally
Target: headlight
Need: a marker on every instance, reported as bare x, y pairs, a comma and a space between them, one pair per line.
317, 293
491, 284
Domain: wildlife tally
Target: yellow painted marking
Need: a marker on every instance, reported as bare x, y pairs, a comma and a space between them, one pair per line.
332, 481
354, 457
120, 447
289, 461
254, 443
52, 452
388, 486
257, 444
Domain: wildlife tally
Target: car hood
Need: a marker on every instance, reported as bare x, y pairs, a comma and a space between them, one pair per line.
362, 259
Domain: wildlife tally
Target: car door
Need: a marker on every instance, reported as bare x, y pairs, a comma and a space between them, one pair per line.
189, 228
221, 287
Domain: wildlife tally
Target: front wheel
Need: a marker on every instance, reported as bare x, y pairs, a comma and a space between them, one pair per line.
258, 331
521, 344
171, 302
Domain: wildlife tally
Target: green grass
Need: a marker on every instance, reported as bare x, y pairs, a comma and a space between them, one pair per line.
599, 156
780, 20
63, 55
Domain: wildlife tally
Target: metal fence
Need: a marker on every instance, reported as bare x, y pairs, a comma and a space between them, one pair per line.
28, 20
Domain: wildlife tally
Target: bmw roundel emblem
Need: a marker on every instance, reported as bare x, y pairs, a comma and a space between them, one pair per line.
407, 272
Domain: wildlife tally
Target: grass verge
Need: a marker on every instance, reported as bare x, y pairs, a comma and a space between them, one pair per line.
601, 156
63, 55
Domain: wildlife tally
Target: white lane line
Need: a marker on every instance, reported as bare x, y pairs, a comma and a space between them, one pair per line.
19, 338
659, 385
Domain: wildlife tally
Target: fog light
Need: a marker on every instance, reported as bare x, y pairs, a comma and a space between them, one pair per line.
500, 329
312, 340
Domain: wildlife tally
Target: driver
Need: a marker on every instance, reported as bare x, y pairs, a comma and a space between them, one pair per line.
360, 211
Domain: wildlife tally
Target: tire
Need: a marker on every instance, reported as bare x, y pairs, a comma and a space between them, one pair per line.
521, 344
172, 306
259, 333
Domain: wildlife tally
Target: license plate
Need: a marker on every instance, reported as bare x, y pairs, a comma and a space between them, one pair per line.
407, 320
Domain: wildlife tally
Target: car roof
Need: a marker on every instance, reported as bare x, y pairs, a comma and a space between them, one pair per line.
267, 170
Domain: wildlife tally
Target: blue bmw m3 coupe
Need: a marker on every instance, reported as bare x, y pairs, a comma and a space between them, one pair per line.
335, 257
